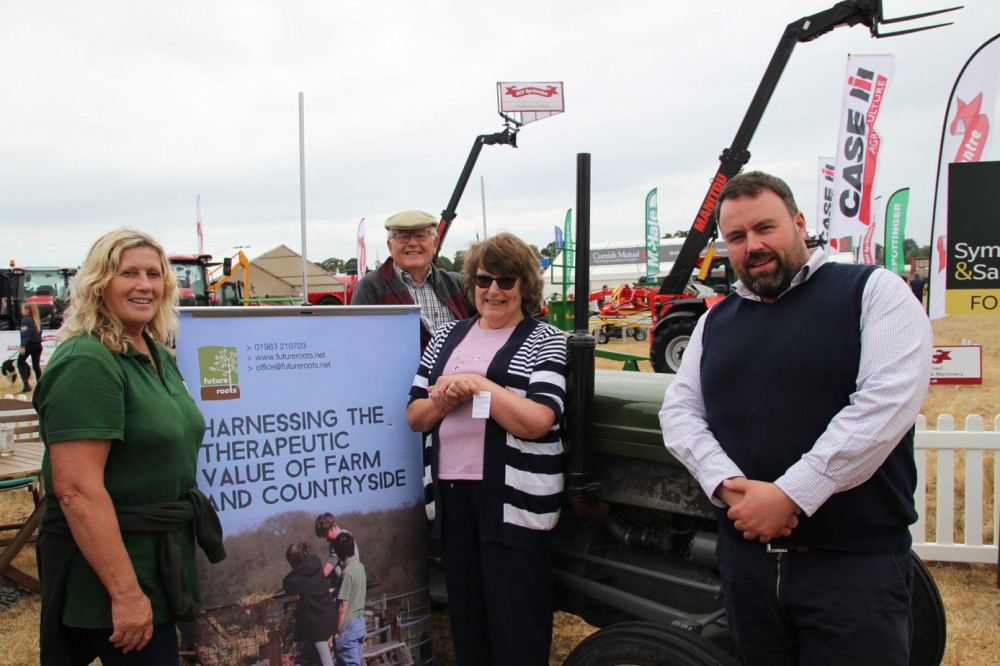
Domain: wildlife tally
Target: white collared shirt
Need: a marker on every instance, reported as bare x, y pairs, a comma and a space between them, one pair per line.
893, 376
433, 312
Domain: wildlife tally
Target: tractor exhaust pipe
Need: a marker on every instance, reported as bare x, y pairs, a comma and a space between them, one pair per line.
581, 346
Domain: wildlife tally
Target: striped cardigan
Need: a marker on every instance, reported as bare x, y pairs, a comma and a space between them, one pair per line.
522, 479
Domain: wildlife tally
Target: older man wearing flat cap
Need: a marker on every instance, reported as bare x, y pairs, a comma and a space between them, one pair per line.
409, 277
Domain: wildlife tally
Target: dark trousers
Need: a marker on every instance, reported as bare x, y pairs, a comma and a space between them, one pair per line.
499, 598
816, 607
34, 351
85, 645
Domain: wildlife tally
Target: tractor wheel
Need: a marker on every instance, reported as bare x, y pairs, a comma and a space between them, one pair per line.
669, 343
6, 324
329, 300
928, 626
647, 644
602, 336
640, 334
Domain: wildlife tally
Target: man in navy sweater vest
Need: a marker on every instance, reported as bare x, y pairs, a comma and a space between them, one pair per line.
794, 409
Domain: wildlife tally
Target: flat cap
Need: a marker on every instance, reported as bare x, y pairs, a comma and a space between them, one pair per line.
411, 219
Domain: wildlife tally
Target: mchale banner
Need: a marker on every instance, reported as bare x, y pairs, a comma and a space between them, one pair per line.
964, 138
652, 236
858, 147
895, 230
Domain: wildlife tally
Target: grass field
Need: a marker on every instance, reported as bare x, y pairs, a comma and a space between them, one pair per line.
971, 597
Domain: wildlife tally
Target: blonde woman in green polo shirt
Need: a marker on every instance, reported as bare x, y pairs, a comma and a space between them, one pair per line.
121, 434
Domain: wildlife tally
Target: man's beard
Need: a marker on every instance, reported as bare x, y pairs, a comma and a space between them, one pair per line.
774, 282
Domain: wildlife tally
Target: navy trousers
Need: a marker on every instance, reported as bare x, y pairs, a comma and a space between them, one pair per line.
816, 607
500, 598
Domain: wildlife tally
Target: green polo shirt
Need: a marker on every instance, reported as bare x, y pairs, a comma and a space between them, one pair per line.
155, 428
353, 586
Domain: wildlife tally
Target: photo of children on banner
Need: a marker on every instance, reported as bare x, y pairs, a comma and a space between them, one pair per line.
328, 529
350, 636
315, 612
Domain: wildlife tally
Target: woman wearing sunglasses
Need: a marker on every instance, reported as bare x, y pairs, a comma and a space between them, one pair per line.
488, 396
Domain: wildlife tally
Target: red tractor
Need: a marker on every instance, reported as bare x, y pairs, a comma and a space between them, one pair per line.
191, 271
49, 290
675, 315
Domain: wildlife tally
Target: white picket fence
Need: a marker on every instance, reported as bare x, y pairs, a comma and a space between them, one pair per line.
946, 441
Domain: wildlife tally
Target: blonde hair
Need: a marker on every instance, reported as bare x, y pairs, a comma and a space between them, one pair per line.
87, 311
33, 313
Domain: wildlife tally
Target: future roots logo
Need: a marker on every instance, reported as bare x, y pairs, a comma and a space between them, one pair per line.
219, 368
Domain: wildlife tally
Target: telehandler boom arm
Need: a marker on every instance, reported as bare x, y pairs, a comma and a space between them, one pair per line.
806, 29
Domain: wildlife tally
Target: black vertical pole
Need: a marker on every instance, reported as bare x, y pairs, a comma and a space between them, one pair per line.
581, 349
581, 312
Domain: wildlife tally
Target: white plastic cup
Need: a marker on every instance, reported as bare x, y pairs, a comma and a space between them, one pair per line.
6, 439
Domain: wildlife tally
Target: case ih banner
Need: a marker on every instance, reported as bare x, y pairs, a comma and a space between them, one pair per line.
858, 147
533, 101
824, 200
966, 138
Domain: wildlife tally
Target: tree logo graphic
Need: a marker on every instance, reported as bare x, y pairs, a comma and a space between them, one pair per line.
220, 373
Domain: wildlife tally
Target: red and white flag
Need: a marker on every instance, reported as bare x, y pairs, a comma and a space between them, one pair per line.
858, 146
362, 258
201, 238
972, 108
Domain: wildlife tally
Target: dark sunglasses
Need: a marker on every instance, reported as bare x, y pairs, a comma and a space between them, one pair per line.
484, 281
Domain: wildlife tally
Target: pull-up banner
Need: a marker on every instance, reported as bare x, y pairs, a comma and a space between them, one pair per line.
305, 412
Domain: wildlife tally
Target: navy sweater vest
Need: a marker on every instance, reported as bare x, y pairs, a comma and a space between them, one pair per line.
773, 377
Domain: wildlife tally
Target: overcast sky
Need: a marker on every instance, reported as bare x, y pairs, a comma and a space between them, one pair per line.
122, 113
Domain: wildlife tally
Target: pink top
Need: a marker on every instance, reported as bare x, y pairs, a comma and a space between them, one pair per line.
462, 437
